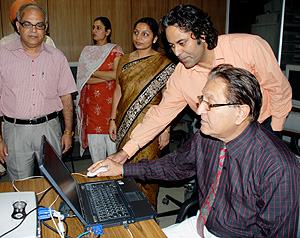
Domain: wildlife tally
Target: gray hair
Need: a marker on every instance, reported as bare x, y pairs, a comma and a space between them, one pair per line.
31, 5
242, 87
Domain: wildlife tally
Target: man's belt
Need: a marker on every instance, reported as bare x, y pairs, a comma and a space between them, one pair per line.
34, 121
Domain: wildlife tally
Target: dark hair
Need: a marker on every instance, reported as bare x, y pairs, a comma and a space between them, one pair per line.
107, 24
242, 87
152, 23
32, 6
190, 18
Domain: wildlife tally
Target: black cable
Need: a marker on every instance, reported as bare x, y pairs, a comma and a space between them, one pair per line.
45, 194
19, 223
52, 229
67, 228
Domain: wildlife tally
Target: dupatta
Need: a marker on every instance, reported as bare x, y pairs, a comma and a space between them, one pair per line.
91, 59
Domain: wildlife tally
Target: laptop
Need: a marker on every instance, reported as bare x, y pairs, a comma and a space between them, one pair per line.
107, 203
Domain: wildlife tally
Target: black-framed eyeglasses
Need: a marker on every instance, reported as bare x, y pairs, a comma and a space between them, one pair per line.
29, 25
208, 106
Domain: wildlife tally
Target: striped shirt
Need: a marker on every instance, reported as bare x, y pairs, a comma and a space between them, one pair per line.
258, 195
31, 87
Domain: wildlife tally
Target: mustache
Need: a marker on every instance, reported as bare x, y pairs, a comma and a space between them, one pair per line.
32, 34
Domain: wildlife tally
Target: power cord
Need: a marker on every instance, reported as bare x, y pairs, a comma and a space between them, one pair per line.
52, 229
126, 226
46, 191
83, 175
32, 177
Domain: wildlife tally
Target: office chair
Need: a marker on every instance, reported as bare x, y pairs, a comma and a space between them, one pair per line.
187, 208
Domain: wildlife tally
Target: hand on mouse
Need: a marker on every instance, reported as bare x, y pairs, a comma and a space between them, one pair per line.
113, 168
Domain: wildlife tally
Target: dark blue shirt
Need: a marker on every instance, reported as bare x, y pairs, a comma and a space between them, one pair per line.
258, 195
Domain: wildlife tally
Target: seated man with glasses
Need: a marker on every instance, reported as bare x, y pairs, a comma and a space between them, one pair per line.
35, 85
248, 179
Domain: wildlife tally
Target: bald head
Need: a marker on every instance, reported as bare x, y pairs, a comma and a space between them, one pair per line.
28, 8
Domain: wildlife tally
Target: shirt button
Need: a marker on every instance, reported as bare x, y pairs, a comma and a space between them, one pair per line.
212, 208
32, 89
32, 61
33, 104
32, 74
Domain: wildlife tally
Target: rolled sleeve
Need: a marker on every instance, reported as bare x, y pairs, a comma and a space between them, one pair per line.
276, 90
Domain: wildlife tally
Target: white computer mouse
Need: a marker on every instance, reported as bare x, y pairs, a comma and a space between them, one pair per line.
102, 169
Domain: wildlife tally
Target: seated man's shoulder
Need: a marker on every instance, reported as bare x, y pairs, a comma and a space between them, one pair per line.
275, 150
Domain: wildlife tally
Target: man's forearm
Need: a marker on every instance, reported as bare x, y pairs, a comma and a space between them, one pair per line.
67, 111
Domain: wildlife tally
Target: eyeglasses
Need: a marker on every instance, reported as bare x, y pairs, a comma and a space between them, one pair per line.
208, 106
29, 25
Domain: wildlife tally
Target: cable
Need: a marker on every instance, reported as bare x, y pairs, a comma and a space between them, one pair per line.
47, 212
87, 232
52, 229
46, 191
58, 230
126, 226
67, 228
54, 201
83, 175
32, 177
19, 223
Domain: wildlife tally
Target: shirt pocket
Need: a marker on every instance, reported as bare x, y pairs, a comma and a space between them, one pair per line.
48, 85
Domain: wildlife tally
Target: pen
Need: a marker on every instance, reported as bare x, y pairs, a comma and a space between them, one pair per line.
43, 75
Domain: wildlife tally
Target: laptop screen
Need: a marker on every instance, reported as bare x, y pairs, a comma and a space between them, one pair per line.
59, 175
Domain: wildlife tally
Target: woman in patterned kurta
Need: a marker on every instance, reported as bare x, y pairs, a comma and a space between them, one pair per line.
96, 83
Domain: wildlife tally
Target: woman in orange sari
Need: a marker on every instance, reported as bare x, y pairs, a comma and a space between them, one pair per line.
141, 77
96, 83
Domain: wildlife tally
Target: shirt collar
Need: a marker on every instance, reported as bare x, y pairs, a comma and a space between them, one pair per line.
17, 45
219, 55
219, 59
240, 143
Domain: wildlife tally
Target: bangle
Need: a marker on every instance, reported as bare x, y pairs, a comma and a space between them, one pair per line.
167, 131
112, 119
69, 133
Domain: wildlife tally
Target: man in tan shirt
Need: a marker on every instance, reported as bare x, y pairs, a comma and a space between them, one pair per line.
194, 40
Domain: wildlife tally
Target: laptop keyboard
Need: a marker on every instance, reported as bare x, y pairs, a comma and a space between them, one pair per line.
107, 203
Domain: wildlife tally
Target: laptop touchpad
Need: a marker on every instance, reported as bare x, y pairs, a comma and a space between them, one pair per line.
133, 196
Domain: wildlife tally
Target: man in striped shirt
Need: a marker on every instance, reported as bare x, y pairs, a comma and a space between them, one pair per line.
258, 191
35, 84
